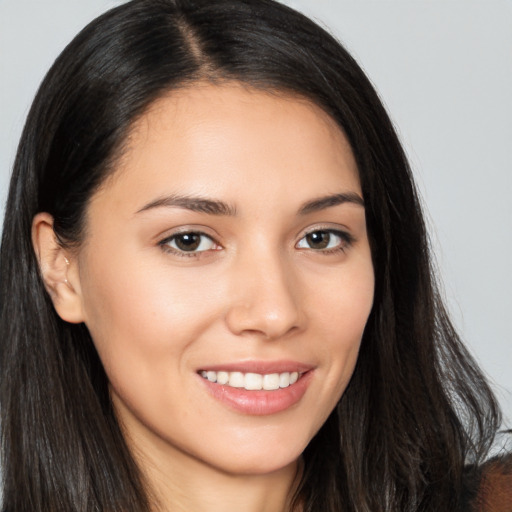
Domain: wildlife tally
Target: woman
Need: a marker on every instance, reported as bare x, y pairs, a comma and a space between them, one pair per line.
216, 288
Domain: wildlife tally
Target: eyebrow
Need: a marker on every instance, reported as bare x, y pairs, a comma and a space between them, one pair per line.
217, 207
324, 202
193, 203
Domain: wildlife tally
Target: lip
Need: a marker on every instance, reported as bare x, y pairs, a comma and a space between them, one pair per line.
262, 367
260, 402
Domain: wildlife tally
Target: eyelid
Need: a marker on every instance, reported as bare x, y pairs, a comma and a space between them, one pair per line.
337, 229
164, 242
347, 239
186, 228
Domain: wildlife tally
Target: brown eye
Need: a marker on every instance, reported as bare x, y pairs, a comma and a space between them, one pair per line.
190, 242
318, 239
324, 239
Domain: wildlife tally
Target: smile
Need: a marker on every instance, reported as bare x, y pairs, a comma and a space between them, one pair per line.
252, 381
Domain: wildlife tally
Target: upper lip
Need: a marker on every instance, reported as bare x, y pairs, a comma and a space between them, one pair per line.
261, 367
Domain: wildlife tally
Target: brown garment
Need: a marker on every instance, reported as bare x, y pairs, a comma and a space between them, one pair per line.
495, 489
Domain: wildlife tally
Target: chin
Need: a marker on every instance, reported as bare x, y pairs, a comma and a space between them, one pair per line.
272, 458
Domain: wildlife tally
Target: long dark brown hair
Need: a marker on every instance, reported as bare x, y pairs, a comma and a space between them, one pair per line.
417, 410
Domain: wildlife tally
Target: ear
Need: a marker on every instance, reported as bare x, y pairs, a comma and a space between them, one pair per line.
59, 269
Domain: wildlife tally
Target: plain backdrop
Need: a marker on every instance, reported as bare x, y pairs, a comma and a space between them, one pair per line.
444, 70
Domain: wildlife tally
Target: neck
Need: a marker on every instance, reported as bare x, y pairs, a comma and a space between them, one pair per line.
180, 483
217, 492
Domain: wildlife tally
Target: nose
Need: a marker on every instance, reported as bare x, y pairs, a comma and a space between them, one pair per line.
265, 298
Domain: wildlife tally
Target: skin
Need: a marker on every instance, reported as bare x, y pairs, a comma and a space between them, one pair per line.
259, 290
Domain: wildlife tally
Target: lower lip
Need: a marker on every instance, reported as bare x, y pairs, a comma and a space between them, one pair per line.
260, 402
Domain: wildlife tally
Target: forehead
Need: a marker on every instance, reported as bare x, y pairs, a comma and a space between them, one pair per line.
233, 140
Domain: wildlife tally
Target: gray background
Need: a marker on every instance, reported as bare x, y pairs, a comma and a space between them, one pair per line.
444, 70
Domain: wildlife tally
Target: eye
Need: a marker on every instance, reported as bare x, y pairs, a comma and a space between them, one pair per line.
324, 240
189, 242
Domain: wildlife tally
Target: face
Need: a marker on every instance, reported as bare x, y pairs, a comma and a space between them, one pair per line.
226, 277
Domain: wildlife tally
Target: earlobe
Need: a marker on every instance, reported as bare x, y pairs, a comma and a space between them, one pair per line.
58, 269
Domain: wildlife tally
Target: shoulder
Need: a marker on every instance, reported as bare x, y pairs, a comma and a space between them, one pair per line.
494, 489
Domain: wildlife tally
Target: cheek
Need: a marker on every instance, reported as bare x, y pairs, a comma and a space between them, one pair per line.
342, 310
342, 305
140, 314
143, 321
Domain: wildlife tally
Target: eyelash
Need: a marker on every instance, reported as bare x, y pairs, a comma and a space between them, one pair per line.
346, 240
164, 244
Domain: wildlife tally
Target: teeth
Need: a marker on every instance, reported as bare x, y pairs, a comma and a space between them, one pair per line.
271, 381
252, 381
222, 377
236, 380
284, 380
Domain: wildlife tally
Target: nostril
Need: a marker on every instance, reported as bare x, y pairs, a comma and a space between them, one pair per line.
262, 302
